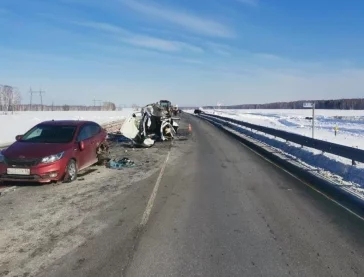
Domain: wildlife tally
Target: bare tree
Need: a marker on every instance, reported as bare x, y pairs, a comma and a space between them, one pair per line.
108, 106
6, 95
15, 100
1, 98
10, 98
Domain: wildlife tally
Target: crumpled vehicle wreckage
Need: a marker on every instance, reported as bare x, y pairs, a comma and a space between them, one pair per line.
153, 122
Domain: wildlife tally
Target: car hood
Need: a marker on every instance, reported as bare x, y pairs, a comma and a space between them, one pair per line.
27, 150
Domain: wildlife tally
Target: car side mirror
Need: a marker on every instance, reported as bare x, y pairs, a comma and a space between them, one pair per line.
81, 145
18, 137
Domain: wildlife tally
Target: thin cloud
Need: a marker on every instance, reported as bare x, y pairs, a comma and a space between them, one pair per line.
220, 49
100, 26
185, 20
253, 3
190, 61
268, 56
140, 40
160, 44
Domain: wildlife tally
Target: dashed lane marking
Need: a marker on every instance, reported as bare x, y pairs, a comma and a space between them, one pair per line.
150, 204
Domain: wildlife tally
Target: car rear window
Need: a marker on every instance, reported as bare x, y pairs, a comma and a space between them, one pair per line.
50, 134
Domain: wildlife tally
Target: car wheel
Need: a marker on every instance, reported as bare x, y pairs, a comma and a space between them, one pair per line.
71, 172
102, 159
103, 155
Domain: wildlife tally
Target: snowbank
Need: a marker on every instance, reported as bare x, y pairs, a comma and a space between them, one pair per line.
20, 122
332, 166
329, 165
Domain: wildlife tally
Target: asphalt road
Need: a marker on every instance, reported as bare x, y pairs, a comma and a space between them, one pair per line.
221, 210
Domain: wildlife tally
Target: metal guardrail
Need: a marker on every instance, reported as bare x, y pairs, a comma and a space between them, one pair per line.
354, 154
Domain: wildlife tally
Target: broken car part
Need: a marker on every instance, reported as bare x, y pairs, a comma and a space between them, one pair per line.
122, 163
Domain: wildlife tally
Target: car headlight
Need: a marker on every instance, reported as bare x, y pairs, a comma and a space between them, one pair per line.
52, 158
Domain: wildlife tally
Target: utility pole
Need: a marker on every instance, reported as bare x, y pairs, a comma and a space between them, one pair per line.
99, 101
312, 106
31, 99
313, 120
41, 98
40, 92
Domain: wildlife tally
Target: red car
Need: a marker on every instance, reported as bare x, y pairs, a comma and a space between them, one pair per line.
53, 151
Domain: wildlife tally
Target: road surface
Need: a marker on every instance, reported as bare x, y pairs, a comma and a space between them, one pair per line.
221, 210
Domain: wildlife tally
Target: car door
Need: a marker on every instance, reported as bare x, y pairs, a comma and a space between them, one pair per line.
87, 156
96, 137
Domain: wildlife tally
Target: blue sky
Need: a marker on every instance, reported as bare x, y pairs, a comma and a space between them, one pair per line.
193, 52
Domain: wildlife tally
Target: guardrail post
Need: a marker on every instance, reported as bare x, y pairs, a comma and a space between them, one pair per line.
313, 120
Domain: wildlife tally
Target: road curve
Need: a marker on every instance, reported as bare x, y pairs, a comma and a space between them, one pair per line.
222, 210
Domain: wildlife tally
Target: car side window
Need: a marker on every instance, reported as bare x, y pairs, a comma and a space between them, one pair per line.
95, 129
85, 132
36, 132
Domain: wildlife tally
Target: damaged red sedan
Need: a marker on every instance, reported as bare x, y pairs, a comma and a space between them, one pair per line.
53, 151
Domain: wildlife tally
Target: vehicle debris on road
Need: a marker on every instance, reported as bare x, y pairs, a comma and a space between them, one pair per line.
119, 164
154, 122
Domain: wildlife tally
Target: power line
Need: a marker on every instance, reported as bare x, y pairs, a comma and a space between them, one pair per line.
99, 102
40, 92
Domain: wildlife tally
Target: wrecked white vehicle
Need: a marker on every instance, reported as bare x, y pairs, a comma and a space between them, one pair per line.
152, 123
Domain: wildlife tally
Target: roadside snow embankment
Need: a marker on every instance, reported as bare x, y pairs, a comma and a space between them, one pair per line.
331, 166
20, 122
325, 163
349, 124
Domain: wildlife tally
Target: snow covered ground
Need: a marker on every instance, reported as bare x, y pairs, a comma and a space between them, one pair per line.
20, 122
350, 123
351, 133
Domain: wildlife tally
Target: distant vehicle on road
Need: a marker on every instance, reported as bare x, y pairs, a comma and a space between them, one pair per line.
197, 111
53, 151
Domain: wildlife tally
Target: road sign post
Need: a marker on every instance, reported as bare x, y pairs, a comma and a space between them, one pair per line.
311, 105
313, 120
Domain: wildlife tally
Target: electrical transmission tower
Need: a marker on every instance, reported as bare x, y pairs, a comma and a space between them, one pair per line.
40, 92
99, 102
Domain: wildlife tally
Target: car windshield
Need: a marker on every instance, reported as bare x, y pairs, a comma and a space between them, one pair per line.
50, 134
164, 104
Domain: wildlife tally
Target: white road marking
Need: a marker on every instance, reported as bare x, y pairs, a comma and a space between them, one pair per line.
150, 204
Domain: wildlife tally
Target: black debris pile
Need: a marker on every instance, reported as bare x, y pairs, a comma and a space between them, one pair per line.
119, 164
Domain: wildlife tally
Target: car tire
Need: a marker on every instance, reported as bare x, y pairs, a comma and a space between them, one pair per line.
71, 172
103, 155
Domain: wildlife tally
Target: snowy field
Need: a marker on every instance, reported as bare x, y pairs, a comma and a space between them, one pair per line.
350, 123
350, 132
20, 122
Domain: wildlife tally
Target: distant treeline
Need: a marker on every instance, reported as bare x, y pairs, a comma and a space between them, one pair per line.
339, 104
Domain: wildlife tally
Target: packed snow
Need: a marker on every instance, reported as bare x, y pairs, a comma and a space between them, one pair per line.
350, 123
20, 122
350, 132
